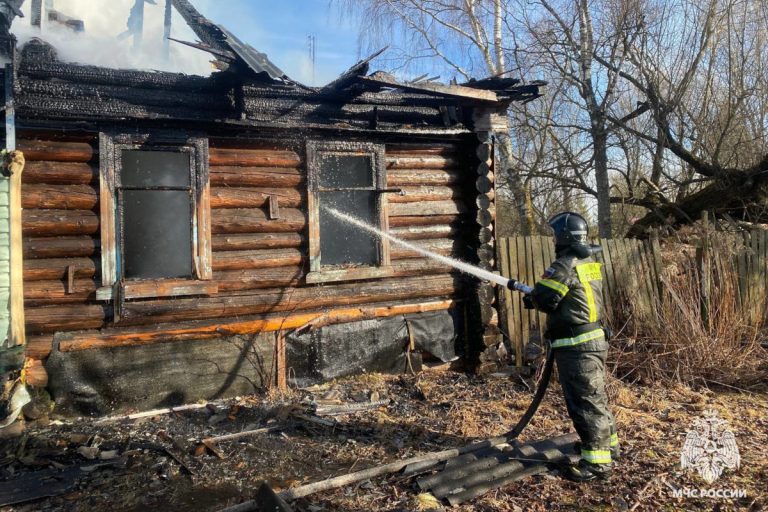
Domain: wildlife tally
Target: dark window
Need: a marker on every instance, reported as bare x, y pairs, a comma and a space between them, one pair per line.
155, 199
349, 178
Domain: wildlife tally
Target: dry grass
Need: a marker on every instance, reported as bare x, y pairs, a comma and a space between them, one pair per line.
684, 342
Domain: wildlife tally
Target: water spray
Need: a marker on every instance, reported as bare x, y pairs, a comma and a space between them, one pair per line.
480, 273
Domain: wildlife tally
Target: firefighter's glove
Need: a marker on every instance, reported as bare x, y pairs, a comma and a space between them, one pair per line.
528, 301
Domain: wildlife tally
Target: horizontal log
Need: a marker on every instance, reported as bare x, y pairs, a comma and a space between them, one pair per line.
142, 313
230, 221
152, 288
55, 292
267, 258
254, 157
443, 247
68, 317
427, 208
240, 280
57, 151
424, 220
425, 232
267, 323
61, 247
58, 197
410, 149
56, 268
421, 162
60, 173
426, 193
39, 347
257, 241
59, 222
240, 197
411, 178
255, 177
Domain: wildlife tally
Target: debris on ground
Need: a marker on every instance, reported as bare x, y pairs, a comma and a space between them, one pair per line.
220, 454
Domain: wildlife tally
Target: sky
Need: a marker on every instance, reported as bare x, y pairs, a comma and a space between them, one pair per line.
279, 28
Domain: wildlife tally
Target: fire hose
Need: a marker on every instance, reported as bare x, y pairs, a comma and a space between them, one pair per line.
546, 375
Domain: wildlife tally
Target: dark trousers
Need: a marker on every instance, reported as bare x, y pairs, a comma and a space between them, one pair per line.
582, 377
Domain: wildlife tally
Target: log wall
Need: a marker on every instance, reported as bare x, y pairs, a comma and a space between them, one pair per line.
259, 263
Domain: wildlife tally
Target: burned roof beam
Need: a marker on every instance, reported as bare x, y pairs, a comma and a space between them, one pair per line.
220, 39
452, 91
204, 47
207, 31
351, 75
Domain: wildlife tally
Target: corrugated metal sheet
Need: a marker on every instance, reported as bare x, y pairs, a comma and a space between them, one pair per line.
257, 61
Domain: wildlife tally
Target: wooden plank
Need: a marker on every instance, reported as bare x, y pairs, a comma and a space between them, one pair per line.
619, 293
658, 267
653, 279
522, 271
539, 251
604, 258
516, 304
527, 271
281, 380
17, 329
451, 91
757, 305
507, 294
639, 276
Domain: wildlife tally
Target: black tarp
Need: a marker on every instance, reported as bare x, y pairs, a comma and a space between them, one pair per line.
379, 345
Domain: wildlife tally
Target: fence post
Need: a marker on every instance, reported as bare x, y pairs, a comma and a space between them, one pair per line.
705, 271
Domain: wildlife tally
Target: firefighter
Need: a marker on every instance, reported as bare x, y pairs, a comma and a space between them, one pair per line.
570, 293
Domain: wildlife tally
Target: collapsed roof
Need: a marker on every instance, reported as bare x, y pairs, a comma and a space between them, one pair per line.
251, 91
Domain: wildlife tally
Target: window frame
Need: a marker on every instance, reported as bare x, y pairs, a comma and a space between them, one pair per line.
113, 282
318, 273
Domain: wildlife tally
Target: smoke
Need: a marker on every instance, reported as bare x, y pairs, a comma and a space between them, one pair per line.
99, 44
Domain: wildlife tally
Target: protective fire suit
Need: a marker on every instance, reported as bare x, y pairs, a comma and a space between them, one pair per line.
570, 292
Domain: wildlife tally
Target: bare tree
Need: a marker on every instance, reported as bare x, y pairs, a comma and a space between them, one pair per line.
702, 71
465, 37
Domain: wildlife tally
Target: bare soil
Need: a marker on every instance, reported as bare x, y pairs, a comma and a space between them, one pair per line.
164, 467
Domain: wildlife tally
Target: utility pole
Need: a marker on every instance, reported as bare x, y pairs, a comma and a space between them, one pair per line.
167, 31
37, 13
312, 46
138, 28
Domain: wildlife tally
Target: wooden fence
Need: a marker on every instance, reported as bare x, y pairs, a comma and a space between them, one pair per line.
633, 275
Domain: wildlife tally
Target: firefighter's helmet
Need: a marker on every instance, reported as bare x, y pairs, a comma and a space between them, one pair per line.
571, 231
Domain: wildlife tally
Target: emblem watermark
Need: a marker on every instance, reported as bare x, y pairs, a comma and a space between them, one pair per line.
710, 447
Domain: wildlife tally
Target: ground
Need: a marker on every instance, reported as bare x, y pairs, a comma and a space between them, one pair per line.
166, 468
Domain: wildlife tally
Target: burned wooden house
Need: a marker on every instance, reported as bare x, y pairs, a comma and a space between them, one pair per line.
173, 232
